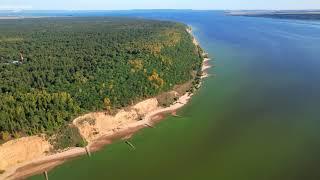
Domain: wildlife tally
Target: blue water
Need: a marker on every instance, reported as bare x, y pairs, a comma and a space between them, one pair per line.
256, 119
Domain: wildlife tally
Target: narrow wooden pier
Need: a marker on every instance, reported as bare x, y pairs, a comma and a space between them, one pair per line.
131, 145
174, 114
46, 175
149, 125
88, 151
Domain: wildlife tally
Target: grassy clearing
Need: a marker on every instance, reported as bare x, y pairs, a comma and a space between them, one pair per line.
91, 121
67, 137
166, 99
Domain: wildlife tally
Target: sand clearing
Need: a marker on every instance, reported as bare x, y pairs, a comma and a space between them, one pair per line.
41, 164
95, 125
23, 149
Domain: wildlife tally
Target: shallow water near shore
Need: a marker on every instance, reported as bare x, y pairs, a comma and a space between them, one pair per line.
256, 119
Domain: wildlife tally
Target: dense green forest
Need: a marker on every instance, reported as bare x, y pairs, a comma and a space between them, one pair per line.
74, 65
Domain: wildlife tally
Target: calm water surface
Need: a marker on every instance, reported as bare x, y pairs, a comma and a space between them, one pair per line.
257, 119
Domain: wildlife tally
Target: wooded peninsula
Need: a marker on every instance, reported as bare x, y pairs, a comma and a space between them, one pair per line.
54, 69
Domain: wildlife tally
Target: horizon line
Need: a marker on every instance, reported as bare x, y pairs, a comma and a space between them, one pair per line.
155, 9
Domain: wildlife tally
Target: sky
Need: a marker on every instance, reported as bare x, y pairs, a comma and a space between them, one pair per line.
158, 4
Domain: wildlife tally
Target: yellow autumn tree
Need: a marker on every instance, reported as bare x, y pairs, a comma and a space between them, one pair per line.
107, 103
5, 135
156, 80
136, 65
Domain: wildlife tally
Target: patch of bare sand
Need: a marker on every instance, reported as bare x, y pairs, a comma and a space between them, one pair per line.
40, 164
23, 149
206, 64
95, 125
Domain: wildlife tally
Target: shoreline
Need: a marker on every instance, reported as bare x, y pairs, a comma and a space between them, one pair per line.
47, 163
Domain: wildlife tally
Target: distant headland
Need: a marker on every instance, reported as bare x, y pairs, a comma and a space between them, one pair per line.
280, 14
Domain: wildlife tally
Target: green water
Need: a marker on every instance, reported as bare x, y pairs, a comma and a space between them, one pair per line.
256, 119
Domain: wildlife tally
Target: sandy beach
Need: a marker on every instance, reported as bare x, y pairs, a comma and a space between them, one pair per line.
49, 162
121, 126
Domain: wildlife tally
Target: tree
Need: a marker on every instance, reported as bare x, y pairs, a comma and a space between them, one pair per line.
107, 104
5, 135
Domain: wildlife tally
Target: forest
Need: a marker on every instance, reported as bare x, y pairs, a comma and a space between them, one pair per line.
54, 69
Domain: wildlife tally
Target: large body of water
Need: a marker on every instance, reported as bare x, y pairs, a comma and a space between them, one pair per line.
256, 119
